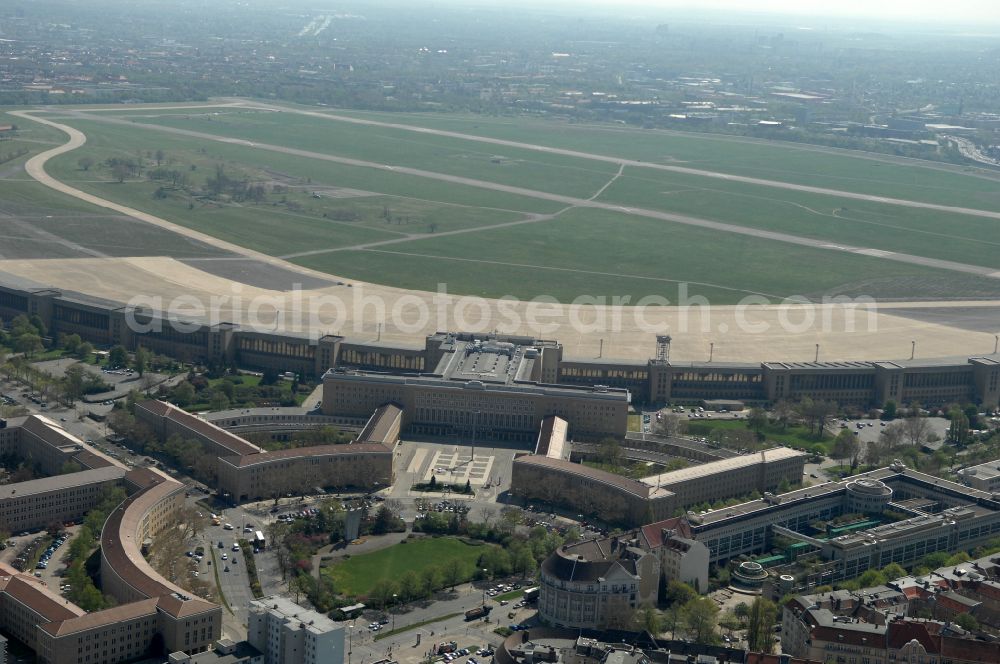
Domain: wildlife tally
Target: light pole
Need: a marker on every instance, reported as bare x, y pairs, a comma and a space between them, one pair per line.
486, 573
394, 596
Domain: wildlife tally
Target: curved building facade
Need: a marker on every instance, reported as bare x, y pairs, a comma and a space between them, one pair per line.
597, 584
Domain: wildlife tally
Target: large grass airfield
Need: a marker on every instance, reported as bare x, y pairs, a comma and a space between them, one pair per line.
509, 207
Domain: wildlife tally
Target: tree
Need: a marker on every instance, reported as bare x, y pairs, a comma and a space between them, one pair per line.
409, 586
679, 592
889, 410
120, 171
84, 351
784, 412
85, 163
159, 157
673, 617
70, 343
700, 619
816, 413
730, 622
183, 394
118, 357
430, 579
433, 482
757, 420
28, 344
870, 578
610, 452
760, 622
382, 592
958, 430
967, 622
649, 620
916, 429
141, 361
452, 572
742, 611
219, 401
672, 425
523, 562
893, 571
845, 446
73, 384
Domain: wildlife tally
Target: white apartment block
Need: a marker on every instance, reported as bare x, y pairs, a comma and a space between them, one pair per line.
289, 634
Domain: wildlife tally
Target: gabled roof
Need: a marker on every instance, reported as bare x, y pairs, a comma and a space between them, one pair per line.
146, 607
40, 599
653, 533
380, 423
229, 441
901, 632
303, 452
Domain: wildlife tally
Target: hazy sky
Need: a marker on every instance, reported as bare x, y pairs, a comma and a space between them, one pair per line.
952, 11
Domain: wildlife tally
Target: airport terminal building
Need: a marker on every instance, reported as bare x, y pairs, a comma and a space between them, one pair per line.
481, 389
932, 382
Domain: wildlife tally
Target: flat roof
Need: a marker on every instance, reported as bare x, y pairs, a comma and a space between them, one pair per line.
436, 382
500, 362
987, 470
723, 465
785, 500
289, 610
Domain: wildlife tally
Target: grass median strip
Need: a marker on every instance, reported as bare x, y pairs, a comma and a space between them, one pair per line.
400, 630
218, 583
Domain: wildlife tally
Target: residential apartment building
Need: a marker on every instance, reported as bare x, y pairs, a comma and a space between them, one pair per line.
682, 558
287, 633
597, 584
877, 625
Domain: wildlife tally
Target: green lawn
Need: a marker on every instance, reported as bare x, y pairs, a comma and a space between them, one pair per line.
881, 175
931, 233
358, 574
607, 253
559, 174
583, 251
792, 436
